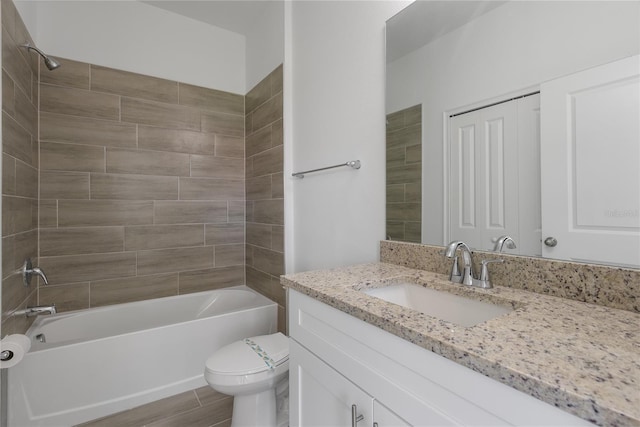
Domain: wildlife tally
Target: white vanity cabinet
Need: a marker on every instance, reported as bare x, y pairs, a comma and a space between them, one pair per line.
337, 361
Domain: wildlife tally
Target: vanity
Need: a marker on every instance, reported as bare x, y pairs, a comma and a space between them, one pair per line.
359, 360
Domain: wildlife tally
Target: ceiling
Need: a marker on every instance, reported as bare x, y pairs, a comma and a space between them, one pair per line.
237, 16
426, 20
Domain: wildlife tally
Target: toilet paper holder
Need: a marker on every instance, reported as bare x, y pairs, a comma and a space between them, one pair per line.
6, 355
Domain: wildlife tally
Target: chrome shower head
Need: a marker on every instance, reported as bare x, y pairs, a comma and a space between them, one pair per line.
50, 62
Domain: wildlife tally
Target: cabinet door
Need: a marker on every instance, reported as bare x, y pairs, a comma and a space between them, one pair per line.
384, 417
320, 396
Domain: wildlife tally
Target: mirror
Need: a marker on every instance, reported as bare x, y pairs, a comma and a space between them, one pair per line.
447, 58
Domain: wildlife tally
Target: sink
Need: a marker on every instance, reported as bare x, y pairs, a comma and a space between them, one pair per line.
440, 304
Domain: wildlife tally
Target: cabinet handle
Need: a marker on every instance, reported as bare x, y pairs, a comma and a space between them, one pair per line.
355, 417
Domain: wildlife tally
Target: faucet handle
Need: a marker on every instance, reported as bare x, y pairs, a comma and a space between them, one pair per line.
28, 270
484, 273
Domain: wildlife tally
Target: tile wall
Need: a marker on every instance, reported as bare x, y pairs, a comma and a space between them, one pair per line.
142, 187
19, 167
404, 174
264, 190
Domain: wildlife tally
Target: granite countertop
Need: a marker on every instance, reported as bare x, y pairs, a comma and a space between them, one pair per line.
580, 357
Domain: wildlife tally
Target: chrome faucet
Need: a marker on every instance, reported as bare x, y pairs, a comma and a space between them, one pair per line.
28, 270
36, 310
468, 277
502, 241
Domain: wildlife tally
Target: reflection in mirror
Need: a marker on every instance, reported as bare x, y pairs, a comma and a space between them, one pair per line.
535, 171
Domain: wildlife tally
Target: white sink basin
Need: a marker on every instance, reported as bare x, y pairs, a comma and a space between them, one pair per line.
443, 305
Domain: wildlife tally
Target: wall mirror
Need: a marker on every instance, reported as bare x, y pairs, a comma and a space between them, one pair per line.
516, 118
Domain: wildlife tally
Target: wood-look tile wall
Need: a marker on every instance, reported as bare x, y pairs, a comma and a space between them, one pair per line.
19, 168
264, 190
404, 175
142, 187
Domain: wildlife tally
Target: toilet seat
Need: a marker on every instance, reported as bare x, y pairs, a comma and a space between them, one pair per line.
248, 361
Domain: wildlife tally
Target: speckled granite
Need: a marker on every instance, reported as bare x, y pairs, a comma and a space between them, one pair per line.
598, 284
580, 357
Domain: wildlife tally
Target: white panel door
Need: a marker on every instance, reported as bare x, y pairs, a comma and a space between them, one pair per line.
590, 157
320, 396
483, 193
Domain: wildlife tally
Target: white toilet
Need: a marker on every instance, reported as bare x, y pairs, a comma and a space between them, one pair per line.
249, 370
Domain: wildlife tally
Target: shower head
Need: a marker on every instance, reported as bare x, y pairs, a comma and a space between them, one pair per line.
50, 62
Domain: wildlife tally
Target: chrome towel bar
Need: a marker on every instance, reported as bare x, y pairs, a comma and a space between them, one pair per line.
355, 164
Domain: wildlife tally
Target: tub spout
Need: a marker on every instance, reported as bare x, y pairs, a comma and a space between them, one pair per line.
36, 310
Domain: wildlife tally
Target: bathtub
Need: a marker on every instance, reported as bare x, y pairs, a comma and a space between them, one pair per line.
99, 361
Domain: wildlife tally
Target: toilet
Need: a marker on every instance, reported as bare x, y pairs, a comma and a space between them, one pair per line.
250, 370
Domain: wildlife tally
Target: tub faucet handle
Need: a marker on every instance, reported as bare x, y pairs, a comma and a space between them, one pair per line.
28, 270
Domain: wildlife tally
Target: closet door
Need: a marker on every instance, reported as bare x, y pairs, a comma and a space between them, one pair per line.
590, 159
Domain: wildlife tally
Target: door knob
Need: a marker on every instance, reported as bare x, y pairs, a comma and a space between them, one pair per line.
551, 242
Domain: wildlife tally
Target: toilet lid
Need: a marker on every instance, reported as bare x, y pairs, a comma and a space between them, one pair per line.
250, 355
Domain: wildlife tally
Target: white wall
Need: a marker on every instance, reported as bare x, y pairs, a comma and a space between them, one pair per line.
336, 63
513, 47
265, 43
138, 37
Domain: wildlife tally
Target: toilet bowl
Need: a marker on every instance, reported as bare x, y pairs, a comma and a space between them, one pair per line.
249, 370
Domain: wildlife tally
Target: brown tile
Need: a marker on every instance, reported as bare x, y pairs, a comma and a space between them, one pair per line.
147, 162
25, 245
229, 146
66, 297
211, 99
8, 175
258, 95
406, 136
266, 285
282, 320
236, 211
277, 186
267, 162
14, 63
159, 114
413, 192
213, 278
268, 261
205, 416
9, 259
259, 188
206, 395
395, 158
163, 236
71, 157
227, 255
134, 187
26, 180
277, 133
82, 268
259, 141
269, 211
86, 131
395, 193
134, 85
413, 115
79, 102
404, 211
70, 74
16, 141
64, 185
148, 413
48, 213
217, 167
176, 140
22, 36
174, 260
268, 112
17, 215
190, 212
259, 234
129, 289
26, 113
277, 233
75, 241
277, 79
218, 234
8, 14
211, 189
413, 153
222, 123
88, 213
8, 96
413, 231
409, 173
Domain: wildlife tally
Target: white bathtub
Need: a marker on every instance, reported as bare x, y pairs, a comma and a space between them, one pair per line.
100, 361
